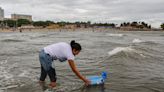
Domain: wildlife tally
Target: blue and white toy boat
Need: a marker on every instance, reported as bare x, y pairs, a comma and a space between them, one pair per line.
97, 80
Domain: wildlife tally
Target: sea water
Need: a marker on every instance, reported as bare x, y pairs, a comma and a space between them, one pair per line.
134, 60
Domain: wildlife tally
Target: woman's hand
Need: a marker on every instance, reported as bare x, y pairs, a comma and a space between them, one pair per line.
87, 82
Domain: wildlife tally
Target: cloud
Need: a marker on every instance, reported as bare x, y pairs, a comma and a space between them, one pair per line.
116, 11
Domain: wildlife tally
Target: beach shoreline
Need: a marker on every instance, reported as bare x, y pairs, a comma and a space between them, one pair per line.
76, 29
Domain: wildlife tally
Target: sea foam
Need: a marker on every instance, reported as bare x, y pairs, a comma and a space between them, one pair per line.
137, 40
115, 35
119, 49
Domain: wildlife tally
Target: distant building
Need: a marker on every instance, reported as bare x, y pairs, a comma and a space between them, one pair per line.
1, 13
21, 16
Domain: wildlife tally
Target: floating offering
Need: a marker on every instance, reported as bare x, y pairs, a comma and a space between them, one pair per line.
97, 80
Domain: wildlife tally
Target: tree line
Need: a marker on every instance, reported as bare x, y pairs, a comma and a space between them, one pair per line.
134, 24
162, 26
18, 23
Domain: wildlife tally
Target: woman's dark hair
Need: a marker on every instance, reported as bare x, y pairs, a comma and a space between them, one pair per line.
75, 45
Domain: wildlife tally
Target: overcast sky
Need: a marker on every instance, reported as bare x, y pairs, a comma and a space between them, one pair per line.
111, 11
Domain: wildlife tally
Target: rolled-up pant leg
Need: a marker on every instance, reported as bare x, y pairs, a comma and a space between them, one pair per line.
46, 67
52, 74
43, 74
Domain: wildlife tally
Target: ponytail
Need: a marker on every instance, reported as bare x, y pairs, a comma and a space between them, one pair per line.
75, 45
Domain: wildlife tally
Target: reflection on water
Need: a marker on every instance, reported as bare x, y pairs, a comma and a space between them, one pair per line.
95, 88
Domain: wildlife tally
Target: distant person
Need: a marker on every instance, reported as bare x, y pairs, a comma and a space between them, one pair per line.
59, 51
20, 30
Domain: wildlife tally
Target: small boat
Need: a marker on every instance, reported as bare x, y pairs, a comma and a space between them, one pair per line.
97, 80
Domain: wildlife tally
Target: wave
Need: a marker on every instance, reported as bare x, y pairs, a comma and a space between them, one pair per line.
162, 35
150, 43
120, 49
5, 76
126, 51
12, 40
7, 87
136, 52
4, 73
137, 40
9, 78
116, 35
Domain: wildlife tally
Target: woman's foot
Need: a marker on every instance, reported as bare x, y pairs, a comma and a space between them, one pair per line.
41, 82
52, 84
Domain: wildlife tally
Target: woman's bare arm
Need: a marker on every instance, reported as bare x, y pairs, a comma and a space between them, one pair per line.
75, 70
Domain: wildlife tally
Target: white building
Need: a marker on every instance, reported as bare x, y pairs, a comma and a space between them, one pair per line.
21, 16
1, 13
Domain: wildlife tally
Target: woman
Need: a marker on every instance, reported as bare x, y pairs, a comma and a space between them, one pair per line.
62, 52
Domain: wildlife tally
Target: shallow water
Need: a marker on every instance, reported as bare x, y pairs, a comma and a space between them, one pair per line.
133, 60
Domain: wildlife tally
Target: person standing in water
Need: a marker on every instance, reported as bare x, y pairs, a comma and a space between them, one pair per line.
59, 51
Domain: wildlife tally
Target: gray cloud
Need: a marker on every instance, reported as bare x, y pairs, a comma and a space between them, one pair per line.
117, 11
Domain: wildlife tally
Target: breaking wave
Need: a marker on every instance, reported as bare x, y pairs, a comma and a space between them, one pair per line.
137, 41
124, 51
120, 49
116, 35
